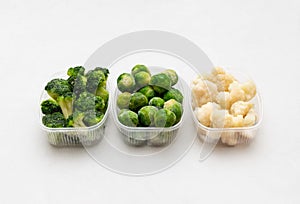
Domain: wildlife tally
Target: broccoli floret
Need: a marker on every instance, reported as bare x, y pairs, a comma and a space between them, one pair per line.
54, 120
100, 104
58, 87
74, 71
50, 106
92, 117
101, 91
70, 121
79, 85
78, 117
85, 102
65, 102
94, 78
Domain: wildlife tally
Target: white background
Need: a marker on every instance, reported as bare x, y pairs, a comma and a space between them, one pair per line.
258, 37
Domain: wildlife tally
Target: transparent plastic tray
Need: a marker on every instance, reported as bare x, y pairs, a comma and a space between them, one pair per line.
231, 136
64, 137
152, 136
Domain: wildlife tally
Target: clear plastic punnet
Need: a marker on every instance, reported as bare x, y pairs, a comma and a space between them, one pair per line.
73, 136
231, 136
151, 136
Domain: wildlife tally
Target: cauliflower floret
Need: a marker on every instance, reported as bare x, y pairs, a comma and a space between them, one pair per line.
250, 118
223, 119
220, 78
224, 100
240, 108
242, 91
204, 113
203, 91
250, 89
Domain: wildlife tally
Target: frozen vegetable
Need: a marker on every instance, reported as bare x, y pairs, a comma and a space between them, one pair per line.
94, 78
54, 120
157, 102
142, 79
123, 100
164, 118
128, 118
50, 106
137, 101
160, 82
146, 115
103, 93
126, 83
172, 75
173, 94
139, 68
175, 107
221, 78
147, 91
65, 102
57, 87
92, 117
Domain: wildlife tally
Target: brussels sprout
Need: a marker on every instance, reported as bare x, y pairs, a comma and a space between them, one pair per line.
126, 83
173, 94
157, 102
146, 115
123, 100
175, 107
128, 118
142, 79
164, 118
172, 75
139, 68
160, 82
147, 91
137, 101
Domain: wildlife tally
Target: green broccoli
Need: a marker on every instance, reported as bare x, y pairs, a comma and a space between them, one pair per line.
106, 73
50, 106
100, 104
70, 121
92, 117
74, 71
58, 87
86, 101
101, 91
94, 78
65, 102
54, 120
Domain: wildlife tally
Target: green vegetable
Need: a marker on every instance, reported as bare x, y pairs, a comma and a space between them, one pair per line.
173, 94
123, 100
65, 102
128, 118
175, 107
157, 102
172, 75
139, 68
126, 83
92, 118
142, 79
70, 121
74, 71
106, 73
86, 101
160, 82
146, 115
80, 84
78, 119
147, 91
94, 78
101, 91
164, 118
137, 101
50, 106
57, 87
54, 120
100, 104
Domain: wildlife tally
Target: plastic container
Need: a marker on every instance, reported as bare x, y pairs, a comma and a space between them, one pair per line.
151, 136
231, 136
68, 137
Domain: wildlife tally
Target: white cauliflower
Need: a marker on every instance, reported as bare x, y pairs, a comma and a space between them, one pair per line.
223, 119
203, 91
224, 99
220, 78
242, 91
204, 113
250, 118
240, 108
